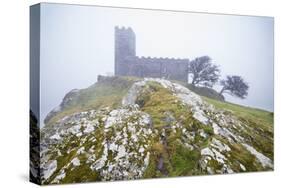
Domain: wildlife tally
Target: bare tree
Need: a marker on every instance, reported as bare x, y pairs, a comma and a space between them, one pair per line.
234, 85
203, 71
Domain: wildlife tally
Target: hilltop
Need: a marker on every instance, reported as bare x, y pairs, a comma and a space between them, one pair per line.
131, 128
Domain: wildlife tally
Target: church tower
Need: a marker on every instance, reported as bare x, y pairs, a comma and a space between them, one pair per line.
125, 49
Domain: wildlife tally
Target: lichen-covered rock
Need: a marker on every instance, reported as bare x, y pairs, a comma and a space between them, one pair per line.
126, 133
49, 168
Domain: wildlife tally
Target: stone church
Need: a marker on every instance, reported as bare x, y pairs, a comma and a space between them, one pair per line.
128, 64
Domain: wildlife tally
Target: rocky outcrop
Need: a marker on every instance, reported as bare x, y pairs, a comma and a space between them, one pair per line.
65, 102
120, 152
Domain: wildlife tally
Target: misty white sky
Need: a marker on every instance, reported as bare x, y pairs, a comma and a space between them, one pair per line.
77, 44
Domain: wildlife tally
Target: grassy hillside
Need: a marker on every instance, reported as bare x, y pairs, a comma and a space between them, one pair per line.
259, 123
202, 91
254, 114
107, 92
206, 92
170, 132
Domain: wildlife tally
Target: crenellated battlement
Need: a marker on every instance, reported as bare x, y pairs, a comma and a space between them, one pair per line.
122, 28
162, 58
128, 64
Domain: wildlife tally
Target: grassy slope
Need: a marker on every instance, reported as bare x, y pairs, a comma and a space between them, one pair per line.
105, 93
259, 129
180, 161
264, 117
155, 100
206, 92
202, 91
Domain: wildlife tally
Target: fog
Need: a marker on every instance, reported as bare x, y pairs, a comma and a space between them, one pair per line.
77, 44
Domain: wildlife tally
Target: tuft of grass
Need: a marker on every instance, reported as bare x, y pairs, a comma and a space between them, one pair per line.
238, 153
183, 161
